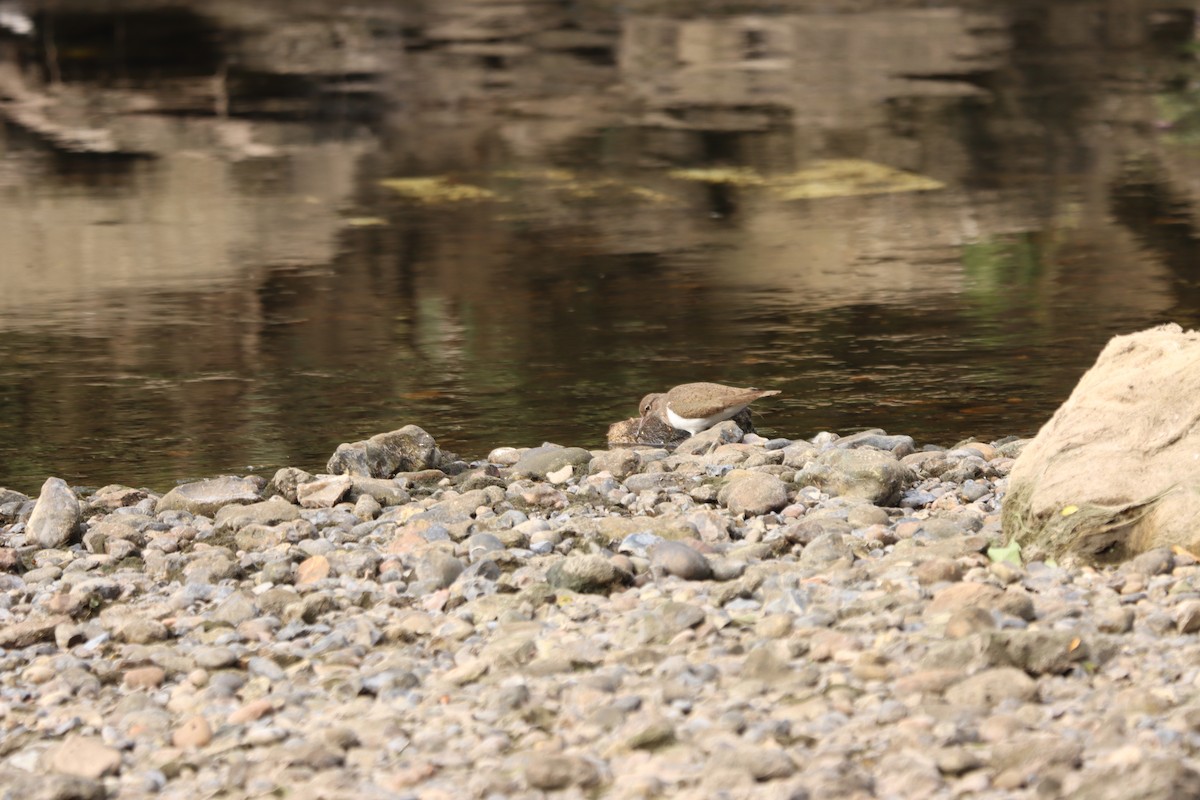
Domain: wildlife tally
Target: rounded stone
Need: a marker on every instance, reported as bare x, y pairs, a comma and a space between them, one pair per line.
676, 558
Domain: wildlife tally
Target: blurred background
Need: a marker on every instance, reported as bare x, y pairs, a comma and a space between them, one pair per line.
234, 235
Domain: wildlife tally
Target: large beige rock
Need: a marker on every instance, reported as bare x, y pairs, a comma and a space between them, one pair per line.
1116, 470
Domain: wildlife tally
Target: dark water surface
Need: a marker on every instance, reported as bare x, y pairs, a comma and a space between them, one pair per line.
925, 218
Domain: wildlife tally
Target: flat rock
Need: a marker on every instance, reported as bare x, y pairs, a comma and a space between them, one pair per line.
268, 512
538, 462
31, 631
324, 491
56, 516
385, 491
207, 497
899, 446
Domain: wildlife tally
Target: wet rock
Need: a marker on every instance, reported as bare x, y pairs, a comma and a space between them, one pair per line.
207, 497
409, 449
654, 432
56, 517
753, 493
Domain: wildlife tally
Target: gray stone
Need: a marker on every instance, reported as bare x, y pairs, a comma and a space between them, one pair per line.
235, 609
213, 657
207, 497
676, 558
899, 446
668, 621
826, 550
464, 506
988, 688
639, 544
409, 449
537, 462
706, 441
386, 492
439, 569
480, 544
590, 574
753, 493
56, 517
267, 513
873, 475
619, 463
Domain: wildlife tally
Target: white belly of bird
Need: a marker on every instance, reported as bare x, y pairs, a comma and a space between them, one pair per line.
694, 426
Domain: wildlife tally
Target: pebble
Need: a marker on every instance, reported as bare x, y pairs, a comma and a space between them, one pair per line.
192, 733
625, 623
676, 558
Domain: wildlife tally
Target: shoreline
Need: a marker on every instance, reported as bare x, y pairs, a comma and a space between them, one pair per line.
742, 617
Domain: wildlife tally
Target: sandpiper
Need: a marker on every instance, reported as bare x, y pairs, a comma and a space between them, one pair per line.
694, 407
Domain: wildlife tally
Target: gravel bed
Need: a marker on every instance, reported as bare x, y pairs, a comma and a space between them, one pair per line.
739, 618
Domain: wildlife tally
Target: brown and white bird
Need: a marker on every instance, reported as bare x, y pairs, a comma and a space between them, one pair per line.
694, 407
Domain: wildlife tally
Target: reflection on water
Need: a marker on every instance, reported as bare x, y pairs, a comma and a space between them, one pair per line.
223, 261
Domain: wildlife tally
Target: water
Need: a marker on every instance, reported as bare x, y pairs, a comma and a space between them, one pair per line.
235, 285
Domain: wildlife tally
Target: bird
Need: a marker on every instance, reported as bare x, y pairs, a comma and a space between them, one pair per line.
694, 407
